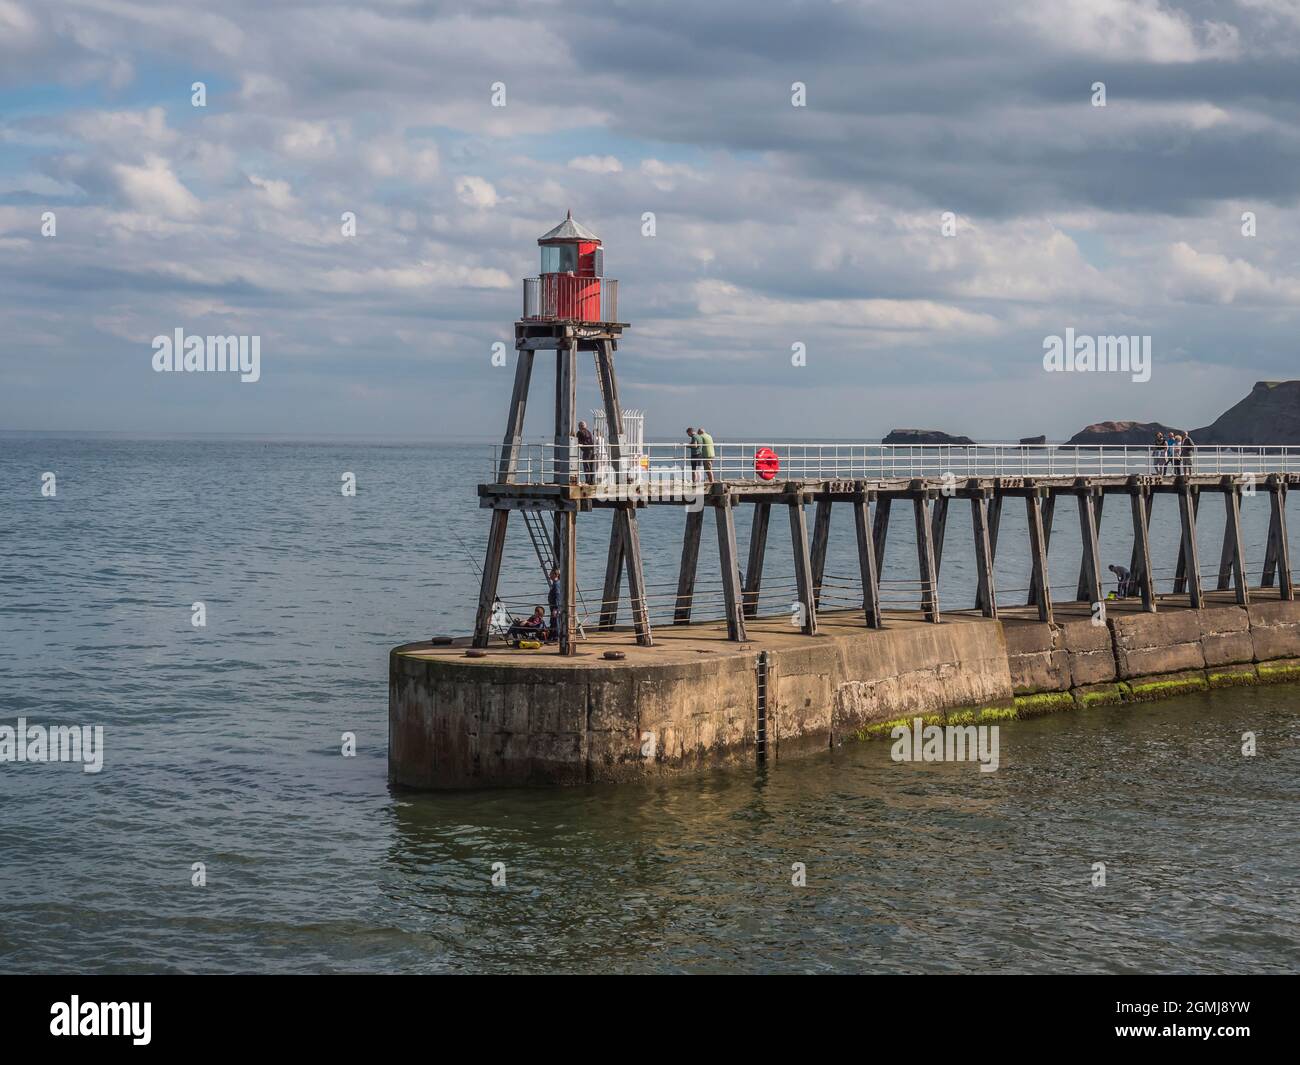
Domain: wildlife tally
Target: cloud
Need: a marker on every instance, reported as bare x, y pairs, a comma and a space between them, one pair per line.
597, 164
154, 187
475, 192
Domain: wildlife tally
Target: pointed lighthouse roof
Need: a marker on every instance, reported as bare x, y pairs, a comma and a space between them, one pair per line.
568, 230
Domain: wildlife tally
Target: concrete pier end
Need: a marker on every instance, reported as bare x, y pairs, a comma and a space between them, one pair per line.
695, 700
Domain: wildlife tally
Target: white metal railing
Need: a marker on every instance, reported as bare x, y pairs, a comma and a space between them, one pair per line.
539, 463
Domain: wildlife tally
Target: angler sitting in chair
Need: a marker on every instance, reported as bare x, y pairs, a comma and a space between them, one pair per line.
534, 628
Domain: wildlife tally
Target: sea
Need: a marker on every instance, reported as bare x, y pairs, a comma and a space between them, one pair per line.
242, 819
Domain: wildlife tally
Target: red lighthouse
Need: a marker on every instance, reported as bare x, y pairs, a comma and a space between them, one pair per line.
571, 286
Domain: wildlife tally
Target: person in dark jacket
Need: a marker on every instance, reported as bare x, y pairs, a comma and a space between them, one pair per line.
553, 598
587, 453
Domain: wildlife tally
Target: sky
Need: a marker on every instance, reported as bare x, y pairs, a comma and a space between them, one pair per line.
828, 219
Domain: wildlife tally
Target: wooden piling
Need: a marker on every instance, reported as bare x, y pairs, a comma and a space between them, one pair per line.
986, 600
1188, 574
689, 563
803, 568
757, 549
922, 511
867, 565
1140, 570
821, 533
732, 596
1039, 580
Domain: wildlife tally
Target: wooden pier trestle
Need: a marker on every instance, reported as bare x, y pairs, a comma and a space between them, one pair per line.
870, 503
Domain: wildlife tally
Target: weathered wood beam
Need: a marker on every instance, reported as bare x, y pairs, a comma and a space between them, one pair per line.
939, 527
1277, 558
508, 461
491, 573
613, 573
922, 512
1040, 581
631, 537
867, 566
821, 534
757, 549
994, 511
803, 570
566, 411
1090, 578
986, 599
1233, 545
686, 573
732, 596
1180, 570
1084, 589
880, 528
568, 564
1048, 512
1140, 570
1189, 557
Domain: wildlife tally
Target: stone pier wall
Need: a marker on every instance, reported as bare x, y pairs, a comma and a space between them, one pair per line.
456, 722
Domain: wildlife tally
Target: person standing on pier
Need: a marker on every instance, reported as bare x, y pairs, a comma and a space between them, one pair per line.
1189, 445
553, 598
1158, 454
707, 453
695, 449
587, 453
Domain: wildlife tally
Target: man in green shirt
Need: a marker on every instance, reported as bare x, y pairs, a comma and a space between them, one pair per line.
706, 452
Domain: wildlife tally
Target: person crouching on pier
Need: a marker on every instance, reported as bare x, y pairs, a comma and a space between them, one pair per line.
534, 626
1123, 581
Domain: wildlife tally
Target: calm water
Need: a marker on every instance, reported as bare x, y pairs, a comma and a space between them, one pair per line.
223, 747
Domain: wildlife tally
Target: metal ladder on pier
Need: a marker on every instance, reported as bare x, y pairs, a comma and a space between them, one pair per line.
543, 547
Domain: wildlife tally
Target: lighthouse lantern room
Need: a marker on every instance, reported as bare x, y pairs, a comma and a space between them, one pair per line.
571, 285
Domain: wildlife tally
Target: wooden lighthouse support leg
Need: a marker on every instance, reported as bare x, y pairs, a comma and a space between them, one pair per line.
757, 549
1232, 562
1180, 571
631, 537
690, 559
1140, 570
1277, 556
880, 528
491, 572
1090, 579
821, 533
1048, 513
1189, 555
922, 511
867, 561
732, 596
939, 526
508, 463
803, 568
1084, 591
986, 599
567, 562
994, 511
613, 575
1040, 581
566, 411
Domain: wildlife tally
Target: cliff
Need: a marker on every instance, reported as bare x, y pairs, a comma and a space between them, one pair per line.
1269, 415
